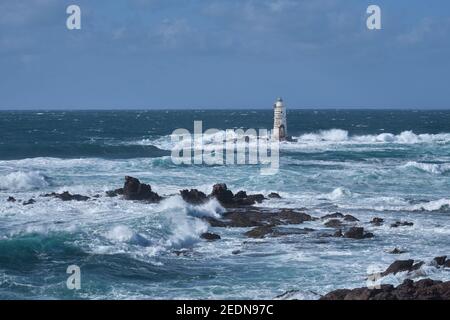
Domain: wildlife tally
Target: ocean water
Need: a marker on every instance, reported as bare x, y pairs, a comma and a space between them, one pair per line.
390, 164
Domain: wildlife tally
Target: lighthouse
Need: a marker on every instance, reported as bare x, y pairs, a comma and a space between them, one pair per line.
279, 120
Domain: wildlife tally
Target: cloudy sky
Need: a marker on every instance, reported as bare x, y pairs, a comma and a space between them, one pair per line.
224, 54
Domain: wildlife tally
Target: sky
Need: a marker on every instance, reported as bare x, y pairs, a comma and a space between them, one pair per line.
174, 54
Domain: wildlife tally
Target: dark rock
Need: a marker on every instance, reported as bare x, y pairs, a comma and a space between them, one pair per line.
350, 218
336, 215
11, 199
31, 201
402, 224
425, 289
447, 263
135, 190
357, 233
66, 196
222, 194
114, 193
333, 223
241, 195
399, 266
440, 261
210, 236
338, 234
274, 195
397, 251
377, 221
236, 252
260, 232
193, 196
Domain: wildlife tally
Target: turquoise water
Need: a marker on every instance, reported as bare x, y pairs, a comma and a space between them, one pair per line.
390, 164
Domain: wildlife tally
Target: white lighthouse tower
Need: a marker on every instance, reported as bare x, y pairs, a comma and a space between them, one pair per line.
279, 121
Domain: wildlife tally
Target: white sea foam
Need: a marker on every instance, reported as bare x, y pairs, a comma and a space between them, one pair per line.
434, 168
23, 181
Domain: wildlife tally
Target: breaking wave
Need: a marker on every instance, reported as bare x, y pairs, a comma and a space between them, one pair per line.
434, 168
23, 181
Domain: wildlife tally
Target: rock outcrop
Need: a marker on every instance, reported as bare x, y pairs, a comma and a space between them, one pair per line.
66, 196
133, 189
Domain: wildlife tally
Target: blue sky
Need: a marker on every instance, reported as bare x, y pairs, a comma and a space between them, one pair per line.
224, 54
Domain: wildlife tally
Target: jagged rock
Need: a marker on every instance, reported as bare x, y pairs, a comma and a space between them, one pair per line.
210, 236
11, 199
241, 195
333, 223
135, 190
401, 266
440, 261
397, 251
425, 289
336, 215
222, 194
31, 201
229, 200
274, 195
193, 196
357, 233
66, 196
114, 193
402, 224
377, 221
350, 218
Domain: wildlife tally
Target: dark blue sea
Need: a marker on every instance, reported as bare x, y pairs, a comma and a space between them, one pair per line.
369, 163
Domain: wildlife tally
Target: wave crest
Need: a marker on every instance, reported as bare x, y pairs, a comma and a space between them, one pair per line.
23, 181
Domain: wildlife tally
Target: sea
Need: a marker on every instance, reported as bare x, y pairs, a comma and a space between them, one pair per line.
392, 164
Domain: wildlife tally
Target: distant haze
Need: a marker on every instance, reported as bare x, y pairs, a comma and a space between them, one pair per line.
174, 54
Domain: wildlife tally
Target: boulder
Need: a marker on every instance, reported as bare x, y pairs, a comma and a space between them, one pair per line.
357, 233
133, 189
440, 261
350, 218
336, 215
11, 199
402, 266
222, 194
193, 196
114, 193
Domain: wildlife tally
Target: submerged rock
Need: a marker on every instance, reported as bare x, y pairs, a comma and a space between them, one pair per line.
210, 236
336, 215
275, 231
274, 195
377, 221
66, 196
397, 251
333, 223
402, 224
31, 201
425, 289
11, 199
114, 193
133, 189
350, 218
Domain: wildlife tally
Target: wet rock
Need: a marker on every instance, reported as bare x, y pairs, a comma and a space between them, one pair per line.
447, 263
397, 251
350, 218
402, 266
193, 196
114, 193
336, 215
274, 195
135, 190
31, 201
377, 221
402, 224
236, 252
210, 236
338, 234
425, 289
357, 233
222, 194
229, 200
440, 261
11, 199
260, 232
333, 223
66, 196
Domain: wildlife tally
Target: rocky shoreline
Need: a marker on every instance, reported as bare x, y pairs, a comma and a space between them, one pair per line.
265, 222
